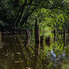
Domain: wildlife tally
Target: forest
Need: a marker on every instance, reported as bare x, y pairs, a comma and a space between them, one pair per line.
34, 34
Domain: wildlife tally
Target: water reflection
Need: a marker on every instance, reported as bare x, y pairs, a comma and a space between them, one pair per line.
18, 53
0, 39
57, 59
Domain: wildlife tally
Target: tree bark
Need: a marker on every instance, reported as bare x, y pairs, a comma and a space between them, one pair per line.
36, 52
36, 33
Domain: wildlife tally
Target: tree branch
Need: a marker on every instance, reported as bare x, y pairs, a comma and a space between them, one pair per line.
21, 10
22, 22
53, 7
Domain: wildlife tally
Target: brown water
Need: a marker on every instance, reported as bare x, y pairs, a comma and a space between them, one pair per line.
18, 52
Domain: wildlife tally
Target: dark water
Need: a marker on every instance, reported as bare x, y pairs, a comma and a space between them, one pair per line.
18, 52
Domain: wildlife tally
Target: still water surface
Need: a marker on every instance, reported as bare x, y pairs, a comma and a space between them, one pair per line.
18, 52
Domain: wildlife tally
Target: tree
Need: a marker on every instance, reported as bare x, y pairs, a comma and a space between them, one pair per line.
17, 12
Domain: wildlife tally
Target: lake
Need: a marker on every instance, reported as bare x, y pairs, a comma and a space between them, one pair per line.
18, 52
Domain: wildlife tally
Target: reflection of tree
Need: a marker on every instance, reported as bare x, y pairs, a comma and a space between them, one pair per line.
17, 56
11, 51
37, 45
36, 55
0, 37
1, 67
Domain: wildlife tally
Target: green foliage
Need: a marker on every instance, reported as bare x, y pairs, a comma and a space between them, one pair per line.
52, 14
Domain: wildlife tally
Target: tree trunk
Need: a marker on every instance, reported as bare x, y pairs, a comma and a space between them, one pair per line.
54, 35
36, 33
64, 37
36, 52
41, 41
47, 41
68, 31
